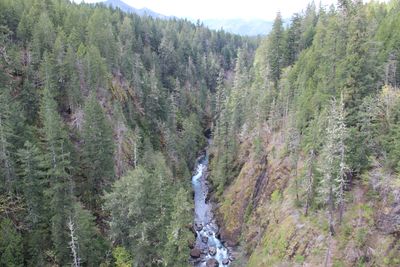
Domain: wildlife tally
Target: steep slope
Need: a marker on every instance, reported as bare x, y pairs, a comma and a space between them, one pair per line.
305, 150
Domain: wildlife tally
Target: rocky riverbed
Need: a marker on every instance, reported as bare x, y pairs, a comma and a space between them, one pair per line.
208, 249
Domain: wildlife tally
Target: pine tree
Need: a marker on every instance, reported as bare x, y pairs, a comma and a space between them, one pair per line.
122, 257
178, 234
43, 36
97, 153
6, 159
192, 139
88, 247
61, 187
100, 34
276, 50
333, 161
72, 87
128, 204
33, 173
140, 205
11, 247
292, 49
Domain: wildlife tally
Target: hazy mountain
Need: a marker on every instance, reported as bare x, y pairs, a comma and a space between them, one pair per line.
241, 26
129, 9
238, 26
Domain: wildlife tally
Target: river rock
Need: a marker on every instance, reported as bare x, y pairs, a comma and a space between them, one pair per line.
204, 239
192, 229
212, 251
191, 244
225, 261
195, 253
212, 263
198, 227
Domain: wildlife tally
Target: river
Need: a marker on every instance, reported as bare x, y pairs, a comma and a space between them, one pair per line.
207, 241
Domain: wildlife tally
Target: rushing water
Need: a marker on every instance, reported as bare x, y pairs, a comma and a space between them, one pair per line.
205, 225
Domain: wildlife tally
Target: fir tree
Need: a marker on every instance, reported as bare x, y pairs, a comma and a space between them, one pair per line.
33, 172
61, 187
333, 164
11, 247
97, 153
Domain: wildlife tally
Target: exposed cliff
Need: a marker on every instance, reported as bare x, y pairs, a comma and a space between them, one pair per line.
259, 212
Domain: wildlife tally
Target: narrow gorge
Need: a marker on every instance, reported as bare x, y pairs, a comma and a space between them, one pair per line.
208, 250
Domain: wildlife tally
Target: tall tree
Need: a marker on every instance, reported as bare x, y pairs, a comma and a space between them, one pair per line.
61, 187
33, 169
88, 247
140, 205
178, 234
333, 164
6, 132
97, 153
276, 48
11, 249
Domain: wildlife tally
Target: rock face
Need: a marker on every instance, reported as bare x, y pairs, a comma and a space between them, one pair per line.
390, 223
212, 263
195, 253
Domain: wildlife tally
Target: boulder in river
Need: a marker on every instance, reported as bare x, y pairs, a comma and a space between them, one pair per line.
204, 239
212, 263
212, 251
225, 261
195, 253
198, 227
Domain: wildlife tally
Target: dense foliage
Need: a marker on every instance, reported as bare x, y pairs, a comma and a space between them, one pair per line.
101, 118
102, 115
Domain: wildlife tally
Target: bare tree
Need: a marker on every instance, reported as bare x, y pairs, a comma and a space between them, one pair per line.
73, 244
310, 181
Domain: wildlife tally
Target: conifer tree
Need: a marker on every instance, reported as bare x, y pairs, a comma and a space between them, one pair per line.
88, 247
43, 36
11, 247
178, 234
333, 161
6, 132
97, 153
33, 173
61, 186
276, 50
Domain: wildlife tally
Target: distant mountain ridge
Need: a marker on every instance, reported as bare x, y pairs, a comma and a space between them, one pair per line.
252, 27
129, 9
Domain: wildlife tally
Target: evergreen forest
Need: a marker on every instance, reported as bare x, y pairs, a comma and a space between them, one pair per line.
103, 115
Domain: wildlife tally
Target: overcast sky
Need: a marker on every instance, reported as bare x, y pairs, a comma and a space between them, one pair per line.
223, 9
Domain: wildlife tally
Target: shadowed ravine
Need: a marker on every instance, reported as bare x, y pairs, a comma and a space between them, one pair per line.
207, 243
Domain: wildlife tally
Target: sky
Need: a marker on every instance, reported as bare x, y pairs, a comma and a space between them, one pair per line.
223, 9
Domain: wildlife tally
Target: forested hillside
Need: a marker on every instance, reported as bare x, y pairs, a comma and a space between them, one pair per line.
102, 115
305, 158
